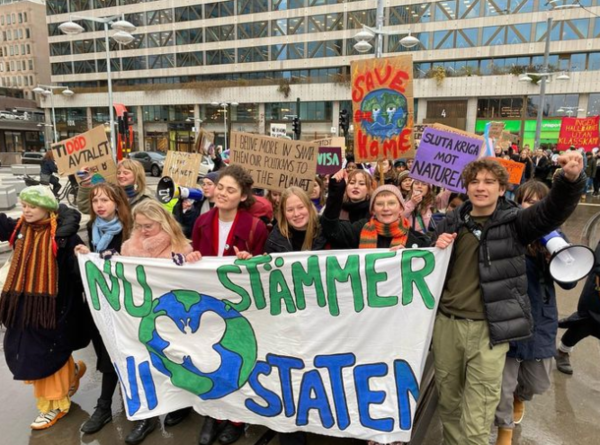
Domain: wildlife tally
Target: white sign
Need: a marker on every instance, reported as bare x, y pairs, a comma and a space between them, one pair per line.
329, 342
278, 130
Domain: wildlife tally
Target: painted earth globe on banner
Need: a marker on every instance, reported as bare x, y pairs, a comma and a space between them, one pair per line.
186, 332
388, 113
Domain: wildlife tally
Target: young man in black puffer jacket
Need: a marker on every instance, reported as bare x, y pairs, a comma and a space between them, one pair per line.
484, 304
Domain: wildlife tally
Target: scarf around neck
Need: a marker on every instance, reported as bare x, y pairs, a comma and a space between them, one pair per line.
32, 277
130, 190
104, 231
397, 230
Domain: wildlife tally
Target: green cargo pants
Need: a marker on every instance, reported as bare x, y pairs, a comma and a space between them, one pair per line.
468, 377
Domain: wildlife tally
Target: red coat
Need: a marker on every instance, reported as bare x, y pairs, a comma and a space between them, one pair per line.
203, 236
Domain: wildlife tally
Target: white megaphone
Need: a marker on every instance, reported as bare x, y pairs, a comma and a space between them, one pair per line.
166, 190
568, 262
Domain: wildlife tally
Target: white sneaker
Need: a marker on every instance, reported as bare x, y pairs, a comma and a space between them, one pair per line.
46, 420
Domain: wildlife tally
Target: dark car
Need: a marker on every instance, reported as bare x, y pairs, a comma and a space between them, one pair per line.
153, 161
32, 157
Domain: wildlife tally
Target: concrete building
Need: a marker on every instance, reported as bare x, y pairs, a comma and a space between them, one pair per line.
263, 54
24, 52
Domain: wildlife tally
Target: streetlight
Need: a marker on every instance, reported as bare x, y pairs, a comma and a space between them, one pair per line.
48, 90
122, 36
224, 105
194, 120
367, 33
569, 110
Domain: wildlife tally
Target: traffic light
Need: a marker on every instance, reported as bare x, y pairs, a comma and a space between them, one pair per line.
297, 127
121, 125
126, 122
344, 121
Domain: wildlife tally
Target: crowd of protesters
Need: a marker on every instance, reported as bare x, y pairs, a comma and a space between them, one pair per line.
495, 332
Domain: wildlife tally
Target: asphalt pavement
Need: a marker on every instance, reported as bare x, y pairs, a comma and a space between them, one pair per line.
565, 415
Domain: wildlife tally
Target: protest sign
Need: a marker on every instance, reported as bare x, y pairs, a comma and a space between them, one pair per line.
278, 130
496, 129
443, 154
90, 149
514, 169
418, 130
382, 106
182, 167
329, 161
581, 133
335, 141
204, 141
275, 163
294, 342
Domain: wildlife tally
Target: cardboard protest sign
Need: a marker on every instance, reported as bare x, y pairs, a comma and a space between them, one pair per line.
581, 133
182, 167
330, 160
443, 154
278, 130
204, 141
515, 169
90, 149
335, 141
496, 129
275, 163
418, 130
294, 342
382, 105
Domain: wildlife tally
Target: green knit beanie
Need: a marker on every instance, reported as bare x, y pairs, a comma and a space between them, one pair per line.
39, 196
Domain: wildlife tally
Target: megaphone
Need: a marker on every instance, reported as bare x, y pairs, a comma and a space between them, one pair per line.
166, 190
568, 262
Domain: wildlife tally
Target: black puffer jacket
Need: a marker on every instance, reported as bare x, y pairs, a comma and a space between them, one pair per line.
502, 272
277, 243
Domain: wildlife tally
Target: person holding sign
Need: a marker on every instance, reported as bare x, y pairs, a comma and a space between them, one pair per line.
228, 230
386, 228
357, 197
420, 206
41, 305
484, 304
109, 226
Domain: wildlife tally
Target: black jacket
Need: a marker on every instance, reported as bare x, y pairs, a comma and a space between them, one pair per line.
502, 271
346, 235
35, 353
277, 243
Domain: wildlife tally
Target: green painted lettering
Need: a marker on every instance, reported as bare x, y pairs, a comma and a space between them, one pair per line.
373, 299
146, 306
337, 273
96, 279
222, 274
311, 276
279, 290
417, 277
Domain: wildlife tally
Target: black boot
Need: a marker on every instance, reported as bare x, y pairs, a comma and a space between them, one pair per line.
175, 417
231, 433
101, 416
140, 430
209, 431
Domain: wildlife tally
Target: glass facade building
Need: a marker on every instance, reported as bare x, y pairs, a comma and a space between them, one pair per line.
264, 54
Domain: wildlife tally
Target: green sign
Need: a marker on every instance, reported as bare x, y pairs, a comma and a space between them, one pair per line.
552, 125
509, 125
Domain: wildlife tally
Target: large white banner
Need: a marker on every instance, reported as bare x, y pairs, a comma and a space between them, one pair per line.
329, 342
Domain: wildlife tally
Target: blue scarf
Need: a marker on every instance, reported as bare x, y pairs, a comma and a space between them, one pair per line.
104, 231
130, 190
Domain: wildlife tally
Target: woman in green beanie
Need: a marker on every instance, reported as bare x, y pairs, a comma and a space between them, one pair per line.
41, 302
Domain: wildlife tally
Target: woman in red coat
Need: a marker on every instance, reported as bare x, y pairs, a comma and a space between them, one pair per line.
228, 229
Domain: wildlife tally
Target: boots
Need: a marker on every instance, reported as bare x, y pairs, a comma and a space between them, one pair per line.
140, 430
563, 362
518, 410
101, 416
504, 436
209, 431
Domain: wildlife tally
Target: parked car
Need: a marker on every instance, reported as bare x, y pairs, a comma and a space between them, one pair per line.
206, 166
32, 157
153, 161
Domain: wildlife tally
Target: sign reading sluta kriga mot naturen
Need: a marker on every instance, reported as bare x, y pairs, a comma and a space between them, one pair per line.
328, 342
91, 150
443, 154
275, 163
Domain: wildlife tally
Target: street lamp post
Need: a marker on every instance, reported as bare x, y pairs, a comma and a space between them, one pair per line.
367, 33
48, 90
122, 36
224, 105
569, 110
